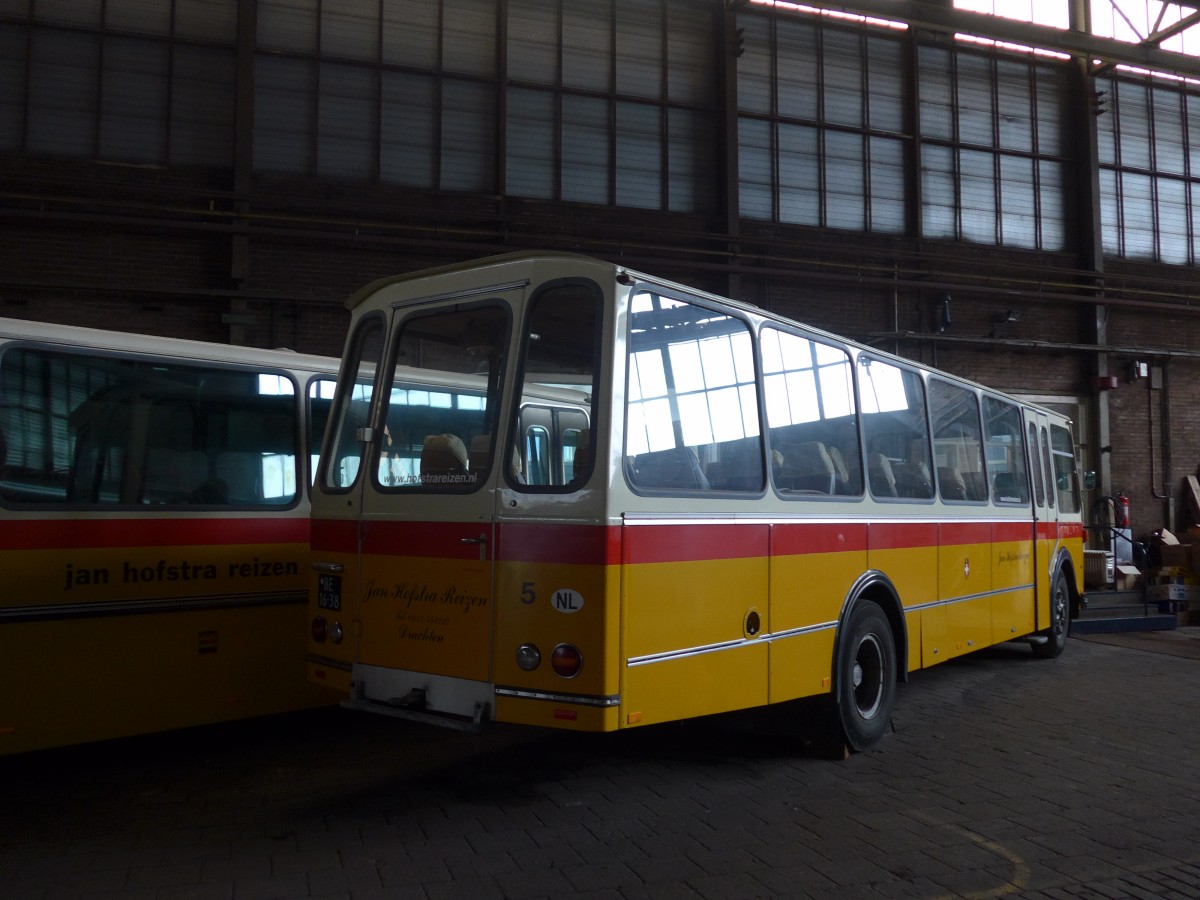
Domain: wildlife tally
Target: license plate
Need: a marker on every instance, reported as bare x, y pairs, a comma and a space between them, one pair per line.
329, 592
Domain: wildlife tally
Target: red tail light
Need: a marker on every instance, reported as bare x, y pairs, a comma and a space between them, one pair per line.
566, 660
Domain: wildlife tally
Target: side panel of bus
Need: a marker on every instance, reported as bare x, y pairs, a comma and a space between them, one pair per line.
813, 567
153, 542
694, 605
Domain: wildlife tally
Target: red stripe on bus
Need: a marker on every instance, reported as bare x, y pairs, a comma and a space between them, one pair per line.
433, 540
1069, 530
795, 540
595, 545
1012, 531
335, 535
957, 533
660, 543
902, 535
73, 534
686, 543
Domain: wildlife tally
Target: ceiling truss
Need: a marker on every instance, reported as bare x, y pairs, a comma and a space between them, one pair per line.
940, 16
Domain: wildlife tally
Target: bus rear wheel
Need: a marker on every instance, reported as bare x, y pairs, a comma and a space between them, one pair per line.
1060, 620
866, 677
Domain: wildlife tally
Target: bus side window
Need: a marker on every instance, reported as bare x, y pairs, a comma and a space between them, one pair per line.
957, 441
895, 429
352, 406
811, 415
1004, 450
559, 389
1063, 457
693, 396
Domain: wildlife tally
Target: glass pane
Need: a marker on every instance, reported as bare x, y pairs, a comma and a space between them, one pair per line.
1016, 105
845, 181
957, 442
531, 154
1063, 454
350, 29
756, 170
587, 41
939, 211
754, 66
468, 136
639, 155
346, 116
533, 41
895, 430
691, 162
690, 64
885, 89
639, 43
353, 412
407, 130
1039, 492
843, 78
1004, 451
585, 138
692, 400
559, 389
799, 175
811, 415
442, 400
976, 109
85, 429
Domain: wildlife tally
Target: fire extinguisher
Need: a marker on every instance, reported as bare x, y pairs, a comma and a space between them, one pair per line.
1122, 510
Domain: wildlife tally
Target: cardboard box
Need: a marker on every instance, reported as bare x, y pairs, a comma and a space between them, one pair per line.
1128, 577
1174, 593
1172, 555
1165, 538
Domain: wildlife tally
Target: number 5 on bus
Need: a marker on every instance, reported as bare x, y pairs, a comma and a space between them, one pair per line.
560, 492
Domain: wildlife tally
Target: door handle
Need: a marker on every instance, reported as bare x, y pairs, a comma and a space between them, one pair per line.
481, 541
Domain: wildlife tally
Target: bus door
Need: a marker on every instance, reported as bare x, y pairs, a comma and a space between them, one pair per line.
1045, 537
337, 498
428, 510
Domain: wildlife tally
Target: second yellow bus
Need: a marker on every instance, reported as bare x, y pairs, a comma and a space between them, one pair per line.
560, 492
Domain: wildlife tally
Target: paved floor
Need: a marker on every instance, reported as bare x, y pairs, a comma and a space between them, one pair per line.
1005, 777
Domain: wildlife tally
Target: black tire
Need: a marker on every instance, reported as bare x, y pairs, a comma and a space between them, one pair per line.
866, 676
1060, 620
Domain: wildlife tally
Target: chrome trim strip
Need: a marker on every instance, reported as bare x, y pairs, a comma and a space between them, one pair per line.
779, 517
327, 568
328, 662
578, 699
796, 632
950, 601
103, 609
689, 651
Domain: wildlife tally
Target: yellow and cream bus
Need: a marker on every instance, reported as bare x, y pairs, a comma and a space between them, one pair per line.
560, 492
153, 532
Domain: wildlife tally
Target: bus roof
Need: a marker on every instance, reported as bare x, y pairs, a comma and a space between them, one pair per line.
74, 337
530, 259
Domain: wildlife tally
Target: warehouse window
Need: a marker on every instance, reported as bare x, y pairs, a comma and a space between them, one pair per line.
148, 83
403, 93
821, 125
611, 103
992, 156
1149, 170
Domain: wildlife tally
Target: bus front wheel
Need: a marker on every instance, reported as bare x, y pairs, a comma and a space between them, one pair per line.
866, 676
